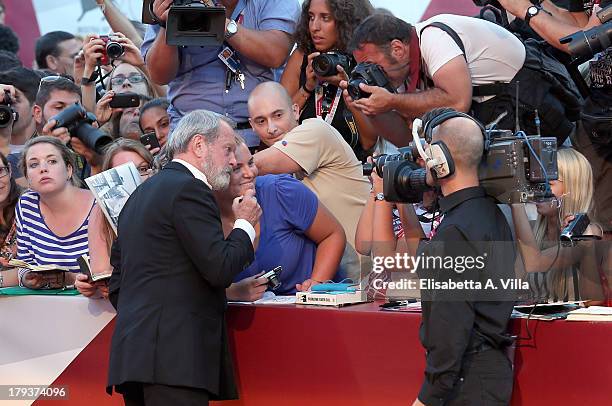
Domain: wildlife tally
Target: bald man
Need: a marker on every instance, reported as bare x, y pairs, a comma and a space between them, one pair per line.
315, 153
464, 329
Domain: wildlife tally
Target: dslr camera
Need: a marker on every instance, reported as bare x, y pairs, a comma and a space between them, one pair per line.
190, 22
325, 64
370, 74
112, 50
583, 45
7, 114
79, 122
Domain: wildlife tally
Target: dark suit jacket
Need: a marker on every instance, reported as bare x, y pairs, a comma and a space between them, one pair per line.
171, 267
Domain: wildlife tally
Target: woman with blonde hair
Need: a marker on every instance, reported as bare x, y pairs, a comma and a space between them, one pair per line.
101, 234
556, 271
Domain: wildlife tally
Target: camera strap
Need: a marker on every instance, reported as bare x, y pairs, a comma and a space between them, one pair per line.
320, 97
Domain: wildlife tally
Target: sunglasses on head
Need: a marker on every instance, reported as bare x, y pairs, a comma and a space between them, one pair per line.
54, 78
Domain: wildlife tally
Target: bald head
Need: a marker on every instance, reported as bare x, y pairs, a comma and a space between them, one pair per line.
463, 138
267, 91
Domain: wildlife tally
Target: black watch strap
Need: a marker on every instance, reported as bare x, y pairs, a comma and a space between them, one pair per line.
155, 17
92, 79
530, 14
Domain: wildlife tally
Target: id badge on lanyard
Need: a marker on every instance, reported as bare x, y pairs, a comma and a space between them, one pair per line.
319, 98
230, 58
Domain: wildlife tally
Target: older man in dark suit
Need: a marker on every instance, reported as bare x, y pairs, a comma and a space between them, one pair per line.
171, 267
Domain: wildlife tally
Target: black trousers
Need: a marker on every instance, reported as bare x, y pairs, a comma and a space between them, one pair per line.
486, 379
142, 394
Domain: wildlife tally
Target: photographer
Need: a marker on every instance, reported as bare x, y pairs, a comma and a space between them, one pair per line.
55, 94
7, 97
464, 335
322, 35
552, 22
492, 55
130, 75
25, 82
259, 32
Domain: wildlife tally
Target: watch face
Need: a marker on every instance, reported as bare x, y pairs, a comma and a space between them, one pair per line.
533, 10
232, 27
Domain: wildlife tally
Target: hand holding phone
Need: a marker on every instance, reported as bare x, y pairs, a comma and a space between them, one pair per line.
151, 140
124, 100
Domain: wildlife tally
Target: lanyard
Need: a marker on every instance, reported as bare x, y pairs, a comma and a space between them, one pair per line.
319, 104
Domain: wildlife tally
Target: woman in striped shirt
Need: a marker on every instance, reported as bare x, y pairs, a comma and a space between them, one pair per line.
52, 217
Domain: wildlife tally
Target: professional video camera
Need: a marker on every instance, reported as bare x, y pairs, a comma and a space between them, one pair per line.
190, 22
325, 64
583, 45
370, 74
78, 122
7, 115
515, 169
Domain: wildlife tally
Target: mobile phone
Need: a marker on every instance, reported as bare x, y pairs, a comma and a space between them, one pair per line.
122, 100
150, 139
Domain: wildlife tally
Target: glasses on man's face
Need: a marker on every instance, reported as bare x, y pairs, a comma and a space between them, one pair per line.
144, 170
133, 79
54, 78
4, 171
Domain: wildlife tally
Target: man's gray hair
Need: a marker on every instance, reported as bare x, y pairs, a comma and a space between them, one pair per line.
197, 122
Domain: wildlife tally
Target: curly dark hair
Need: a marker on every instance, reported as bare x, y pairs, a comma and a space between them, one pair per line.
347, 15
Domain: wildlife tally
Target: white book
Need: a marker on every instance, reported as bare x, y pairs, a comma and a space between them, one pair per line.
592, 313
112, 188
329, 299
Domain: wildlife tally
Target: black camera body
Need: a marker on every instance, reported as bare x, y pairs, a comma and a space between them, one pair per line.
190, 22
79, 122
509, 172
112, 50
409, 153
583, 45
370, 74
8, 115
575, 229
325, 64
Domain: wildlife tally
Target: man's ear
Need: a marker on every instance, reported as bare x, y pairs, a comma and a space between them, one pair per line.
51, 62
295, 109
399, 50
198, 146
38, 114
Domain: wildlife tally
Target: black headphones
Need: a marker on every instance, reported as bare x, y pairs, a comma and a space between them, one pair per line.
440, 161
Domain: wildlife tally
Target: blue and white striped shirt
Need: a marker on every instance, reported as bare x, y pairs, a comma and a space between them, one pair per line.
38, 245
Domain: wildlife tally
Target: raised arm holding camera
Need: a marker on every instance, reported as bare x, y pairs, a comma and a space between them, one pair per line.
321, 61
257, 40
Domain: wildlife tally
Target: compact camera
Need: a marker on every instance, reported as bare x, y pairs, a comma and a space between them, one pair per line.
325, 64
273, 277
7, 115
370, 74
79, 122
112, 50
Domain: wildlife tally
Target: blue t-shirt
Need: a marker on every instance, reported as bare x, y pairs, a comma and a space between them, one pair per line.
289, 209
200, 80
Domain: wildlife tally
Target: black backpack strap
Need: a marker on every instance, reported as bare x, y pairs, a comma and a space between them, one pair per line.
492, 89
451, 33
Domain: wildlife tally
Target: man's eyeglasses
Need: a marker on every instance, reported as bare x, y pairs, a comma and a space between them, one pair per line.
144, 170
54, 78
133, 79
4, 171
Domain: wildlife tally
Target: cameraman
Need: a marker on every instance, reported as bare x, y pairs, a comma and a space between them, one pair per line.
464, 335
428, 58
55, 94
259, 32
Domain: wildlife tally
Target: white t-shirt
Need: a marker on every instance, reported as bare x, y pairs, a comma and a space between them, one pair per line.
493, 53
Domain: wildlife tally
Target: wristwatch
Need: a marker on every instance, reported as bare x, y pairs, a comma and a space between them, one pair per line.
231, 29
379, 197
532, 11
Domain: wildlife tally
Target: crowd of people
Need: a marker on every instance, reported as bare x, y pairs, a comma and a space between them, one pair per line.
258, 162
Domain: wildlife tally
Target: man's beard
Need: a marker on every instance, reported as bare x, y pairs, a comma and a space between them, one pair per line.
218, 178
